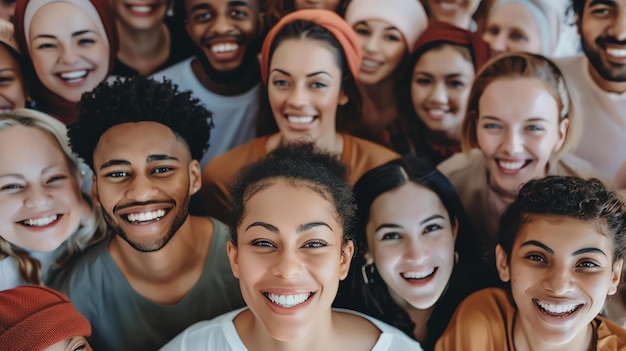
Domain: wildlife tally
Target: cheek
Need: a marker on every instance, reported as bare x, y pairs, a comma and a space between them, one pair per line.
418, 94
42, 63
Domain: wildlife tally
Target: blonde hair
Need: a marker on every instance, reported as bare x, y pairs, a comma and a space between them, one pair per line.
91, 229
522, 65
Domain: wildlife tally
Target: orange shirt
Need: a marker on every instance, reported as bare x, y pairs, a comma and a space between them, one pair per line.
484, 322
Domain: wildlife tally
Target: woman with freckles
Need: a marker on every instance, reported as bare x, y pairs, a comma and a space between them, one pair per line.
309, 62
520, 123
290, 245
45, 219
70, 45
561, 250
417, 256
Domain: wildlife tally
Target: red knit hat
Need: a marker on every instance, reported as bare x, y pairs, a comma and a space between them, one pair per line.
35, 317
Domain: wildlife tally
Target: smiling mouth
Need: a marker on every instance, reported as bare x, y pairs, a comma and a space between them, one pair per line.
145, 217
74, 76
417, 276
557, 311
222, 48
300, 119
40, 222
142, 8
512, 166
288, 301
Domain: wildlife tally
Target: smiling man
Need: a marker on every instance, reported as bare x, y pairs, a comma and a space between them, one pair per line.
599, 79
224, 74
162, 269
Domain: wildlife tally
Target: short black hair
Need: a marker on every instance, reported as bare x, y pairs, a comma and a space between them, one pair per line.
587, 200
300, 164
140, 99
578, 6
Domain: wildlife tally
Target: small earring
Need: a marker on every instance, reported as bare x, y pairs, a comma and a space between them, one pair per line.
367, 272
456, 257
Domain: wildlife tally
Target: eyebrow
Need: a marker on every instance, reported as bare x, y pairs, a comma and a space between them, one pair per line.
68, 341
235, 3
21, 176
150, 158
75, 34
447, 76
602, 2
533, 119
308, 75
576, 253
395, 226
301, 228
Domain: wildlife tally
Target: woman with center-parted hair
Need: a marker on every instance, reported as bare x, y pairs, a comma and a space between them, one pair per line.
309, 62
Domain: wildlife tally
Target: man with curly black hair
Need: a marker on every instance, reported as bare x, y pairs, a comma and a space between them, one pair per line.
162, 269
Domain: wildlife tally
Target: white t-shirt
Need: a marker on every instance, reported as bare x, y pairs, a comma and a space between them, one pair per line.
233, 116
603, 114
220, 334
10, 277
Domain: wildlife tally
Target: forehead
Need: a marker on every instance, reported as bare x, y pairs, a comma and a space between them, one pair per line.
7, 61
137, 140
60, 17
531, 99
35, 146
445, 58
512, 15
305, 55
411, 200
253, 5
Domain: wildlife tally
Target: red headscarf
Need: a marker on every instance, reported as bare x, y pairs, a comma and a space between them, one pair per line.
448, 33
330, 21
48, 101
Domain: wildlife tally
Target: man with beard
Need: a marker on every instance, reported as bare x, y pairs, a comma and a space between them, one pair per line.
224, 74
598, 80
161, 269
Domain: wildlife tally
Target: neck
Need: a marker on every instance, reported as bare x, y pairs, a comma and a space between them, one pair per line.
246, 80
144, 50
524, 338
379, 103
606, 85
420, 319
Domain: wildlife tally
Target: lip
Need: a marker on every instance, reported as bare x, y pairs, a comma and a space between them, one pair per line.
436, 114
74, 78
510, 166
419, 282
142, 10
224, 49
37, 228
557, 318
145, 215
369, 65
615, 53
280, 310
300, 125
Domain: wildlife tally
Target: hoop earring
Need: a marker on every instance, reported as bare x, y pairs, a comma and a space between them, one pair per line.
367, 272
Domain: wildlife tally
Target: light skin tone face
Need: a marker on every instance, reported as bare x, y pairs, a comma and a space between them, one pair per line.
511, 27
289, 258
11, 82
518, 132
458, 12
560, 270
77, 343
384, 48
440, 87
40, 198
316, 4
143, 179
602, 27
69, 59
304, 89
7, 9
222, 29
410, 238
140, 14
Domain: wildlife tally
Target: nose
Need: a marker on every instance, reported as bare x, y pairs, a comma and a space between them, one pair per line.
288, 264
68, 56
222, 24
617, 29
558, 280
299, 96
37, 198
370, 44
439, 94
416, 252
497, 42
513, 142
141, 189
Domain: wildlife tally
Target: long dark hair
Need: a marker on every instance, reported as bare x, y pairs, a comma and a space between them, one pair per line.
374, 298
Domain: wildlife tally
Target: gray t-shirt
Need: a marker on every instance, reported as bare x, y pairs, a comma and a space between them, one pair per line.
121, 319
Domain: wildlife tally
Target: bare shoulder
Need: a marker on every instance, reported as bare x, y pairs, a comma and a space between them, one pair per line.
354, 332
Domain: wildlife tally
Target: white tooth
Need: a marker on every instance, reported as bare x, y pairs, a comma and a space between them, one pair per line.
224, 47
616, 52
368, 63
146, 216
511, 165
556, 308
300, 120
288, 301
418, 275
74, 75
142, 9
40, 222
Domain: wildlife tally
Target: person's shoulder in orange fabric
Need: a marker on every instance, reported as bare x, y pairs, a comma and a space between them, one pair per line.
361, 155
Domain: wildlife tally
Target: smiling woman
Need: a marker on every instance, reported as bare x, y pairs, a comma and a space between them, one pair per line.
290, 244
71, 45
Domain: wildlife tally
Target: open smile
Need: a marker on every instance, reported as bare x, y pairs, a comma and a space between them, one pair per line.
288, 301
511, 166
556, 311
42, 221
73, 77
146, 217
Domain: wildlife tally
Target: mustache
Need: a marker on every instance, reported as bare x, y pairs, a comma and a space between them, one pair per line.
603, 41
144, 203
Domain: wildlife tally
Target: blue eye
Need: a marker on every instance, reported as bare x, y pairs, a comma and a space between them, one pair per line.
391, 236
11, 187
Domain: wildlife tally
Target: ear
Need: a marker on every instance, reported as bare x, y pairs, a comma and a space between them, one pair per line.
195, 177
233, 257
455, 229
346, 259
563, 126
502, 264
343, 98
94, 191
616, 276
